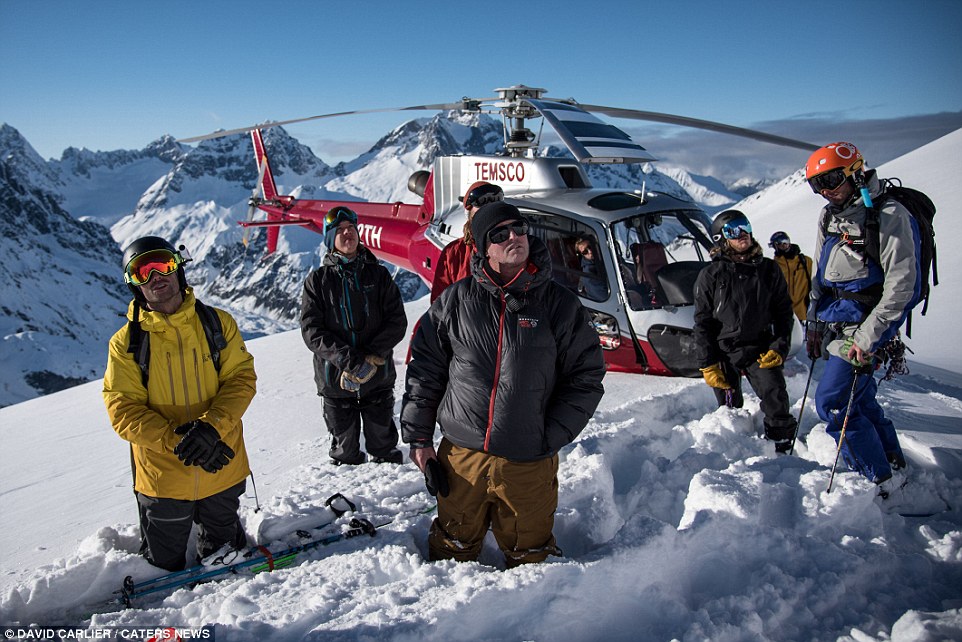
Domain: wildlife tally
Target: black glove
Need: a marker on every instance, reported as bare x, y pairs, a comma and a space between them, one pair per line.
813, 339
220, 457
198, 443
435, 478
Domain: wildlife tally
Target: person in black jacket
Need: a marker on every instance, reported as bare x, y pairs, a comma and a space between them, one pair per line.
352, 316
508, 364
743, 324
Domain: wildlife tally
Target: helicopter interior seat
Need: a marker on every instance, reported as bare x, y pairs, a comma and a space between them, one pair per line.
649, 259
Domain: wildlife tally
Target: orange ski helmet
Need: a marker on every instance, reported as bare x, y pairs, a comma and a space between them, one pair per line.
837, 156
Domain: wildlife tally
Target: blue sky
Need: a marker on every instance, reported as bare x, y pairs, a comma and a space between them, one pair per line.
118, 74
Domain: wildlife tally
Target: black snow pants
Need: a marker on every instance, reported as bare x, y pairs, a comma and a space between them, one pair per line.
345, 416
769, 385
166, 525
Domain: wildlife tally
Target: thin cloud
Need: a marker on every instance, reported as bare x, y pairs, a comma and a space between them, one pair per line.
730, 158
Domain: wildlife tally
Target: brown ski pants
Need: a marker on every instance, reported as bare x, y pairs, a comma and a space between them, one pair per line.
517, 500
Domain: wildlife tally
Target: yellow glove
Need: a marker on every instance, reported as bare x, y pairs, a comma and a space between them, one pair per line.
770, 359
714, 377
375, 360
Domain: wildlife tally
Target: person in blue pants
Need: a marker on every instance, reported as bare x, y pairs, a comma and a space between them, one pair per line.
858, 304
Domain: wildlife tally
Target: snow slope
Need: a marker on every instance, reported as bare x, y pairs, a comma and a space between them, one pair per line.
790, 205
677, 520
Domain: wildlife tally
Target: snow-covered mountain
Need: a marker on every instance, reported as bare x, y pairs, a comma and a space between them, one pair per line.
60, 293
104, 186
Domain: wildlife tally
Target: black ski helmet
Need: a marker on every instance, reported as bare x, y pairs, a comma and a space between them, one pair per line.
723, 219
146, 244
778, 238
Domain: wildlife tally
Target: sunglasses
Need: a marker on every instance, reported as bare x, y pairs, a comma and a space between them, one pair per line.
736, 227
142, 267
482, 195
830, 180
338, 214
503, 233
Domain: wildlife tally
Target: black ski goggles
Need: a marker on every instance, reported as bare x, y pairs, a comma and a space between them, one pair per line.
482, 195
338, 215
503, 233
143, 266
830, 180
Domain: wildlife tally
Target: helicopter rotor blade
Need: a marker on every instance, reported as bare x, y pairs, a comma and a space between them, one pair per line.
465, 104
697, 123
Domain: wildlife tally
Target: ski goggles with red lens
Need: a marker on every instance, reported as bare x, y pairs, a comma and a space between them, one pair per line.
503, 233
142, 267
338, 215
830, 180
736, 227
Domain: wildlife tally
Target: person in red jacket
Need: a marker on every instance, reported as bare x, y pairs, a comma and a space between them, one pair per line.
455, 261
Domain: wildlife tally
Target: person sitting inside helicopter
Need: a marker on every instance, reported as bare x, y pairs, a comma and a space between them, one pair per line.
593, 284
455, 261
743, 324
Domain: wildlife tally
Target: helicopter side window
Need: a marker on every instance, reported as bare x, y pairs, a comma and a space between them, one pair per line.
576, 262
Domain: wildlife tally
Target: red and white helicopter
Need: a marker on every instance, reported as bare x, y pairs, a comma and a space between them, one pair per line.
652, 245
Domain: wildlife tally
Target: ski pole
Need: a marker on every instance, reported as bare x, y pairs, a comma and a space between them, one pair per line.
798, 423
841, 437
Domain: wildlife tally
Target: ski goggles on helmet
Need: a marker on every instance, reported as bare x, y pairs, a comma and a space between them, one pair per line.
779, 239
830, 180
503, 233
483, 194
142, 267
337, 216
736, 227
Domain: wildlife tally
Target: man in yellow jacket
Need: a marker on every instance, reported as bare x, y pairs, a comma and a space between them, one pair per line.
179, 411
797, 269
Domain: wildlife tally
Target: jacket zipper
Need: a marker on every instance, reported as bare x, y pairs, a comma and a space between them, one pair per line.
183, 374
197, 366
497, 376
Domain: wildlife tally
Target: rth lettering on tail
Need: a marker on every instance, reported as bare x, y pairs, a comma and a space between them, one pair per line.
370, 234
499, 171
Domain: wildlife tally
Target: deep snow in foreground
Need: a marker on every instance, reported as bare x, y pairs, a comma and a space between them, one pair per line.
677, 520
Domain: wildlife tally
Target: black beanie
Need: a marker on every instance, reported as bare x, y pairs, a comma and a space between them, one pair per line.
489, 216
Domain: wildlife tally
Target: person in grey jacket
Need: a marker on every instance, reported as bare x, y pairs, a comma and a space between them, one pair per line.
858, 305
509, 366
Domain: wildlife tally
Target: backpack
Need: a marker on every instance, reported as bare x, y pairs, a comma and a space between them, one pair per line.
922, 209
139, 344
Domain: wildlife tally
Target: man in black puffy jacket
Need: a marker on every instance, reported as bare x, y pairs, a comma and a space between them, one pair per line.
352, 316
743, 324
508, 364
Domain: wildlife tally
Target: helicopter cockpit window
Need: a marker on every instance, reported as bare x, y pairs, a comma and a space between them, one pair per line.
576, 262
659, 257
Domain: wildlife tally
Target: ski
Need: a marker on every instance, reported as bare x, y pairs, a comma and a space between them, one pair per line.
337, 503
256, 558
